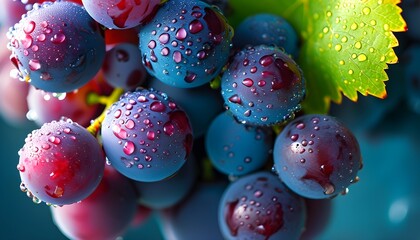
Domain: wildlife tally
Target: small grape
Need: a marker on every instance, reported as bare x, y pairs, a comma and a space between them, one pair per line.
317, 156
122, 67
259, 206
263, 86
236, 149
268, 29
61, 163
146, 136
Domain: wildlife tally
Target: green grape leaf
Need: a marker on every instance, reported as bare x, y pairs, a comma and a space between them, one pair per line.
346, 44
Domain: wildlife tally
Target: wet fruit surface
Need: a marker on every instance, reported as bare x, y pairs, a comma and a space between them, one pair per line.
146, 136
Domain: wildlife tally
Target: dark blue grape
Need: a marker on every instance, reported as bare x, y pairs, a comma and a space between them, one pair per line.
195, 217
201, 104
122, 67
60, 163
168, 192
268, 29
259, 206
57, 54
263, 86
186, 44
317, 156
236, 149
146, 136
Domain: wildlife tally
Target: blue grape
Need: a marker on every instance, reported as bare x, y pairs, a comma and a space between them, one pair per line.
201, 104
197, 216
57, 54
60, 163
263, 86
237, 149
122, 67
268, 29
146, 136
317, 156
186, 44
168, 192
260, 206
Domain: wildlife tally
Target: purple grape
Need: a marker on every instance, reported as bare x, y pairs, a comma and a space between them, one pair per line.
121, 14
317, 156
60, 163
263, 86
268, 29
57, 54
236, 149
186, 44
146, 136
122, 67
259, 206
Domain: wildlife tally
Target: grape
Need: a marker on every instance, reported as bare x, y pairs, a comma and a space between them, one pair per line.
121, 14
263, 86
259, 206
122, 67
45, 107
60, 163
196, 216
105, 214
317, 156
236, 149
201, 104
57, 54
268, 29
146, 136
168, 192
186, 44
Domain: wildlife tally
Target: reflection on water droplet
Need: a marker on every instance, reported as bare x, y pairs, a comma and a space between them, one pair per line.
366, 10
329, 188
362, 57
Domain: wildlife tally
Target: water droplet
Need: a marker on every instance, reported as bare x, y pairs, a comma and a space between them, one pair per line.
164, 38
29, 28
181, 34
344, 39
258, 194
169, 128
55, 140
266, 60
195, 26
329, 188
26, 41
130, 124
58, 38
248, 82
119, 132
34, 64
157, 106
235, 99
20, 167
151, 135
354, 26
177, 56
366, 10
358, 45
129, 148
338, 47
362, 57
386, 27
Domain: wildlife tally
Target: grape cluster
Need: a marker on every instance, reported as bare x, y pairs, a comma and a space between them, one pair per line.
158, 105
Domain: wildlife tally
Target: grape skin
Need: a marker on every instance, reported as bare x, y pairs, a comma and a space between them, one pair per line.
317, 156
61, 163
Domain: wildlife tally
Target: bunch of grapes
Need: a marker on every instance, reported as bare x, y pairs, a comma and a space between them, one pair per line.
164, 106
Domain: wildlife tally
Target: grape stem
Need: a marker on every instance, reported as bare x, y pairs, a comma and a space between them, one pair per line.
107, 101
